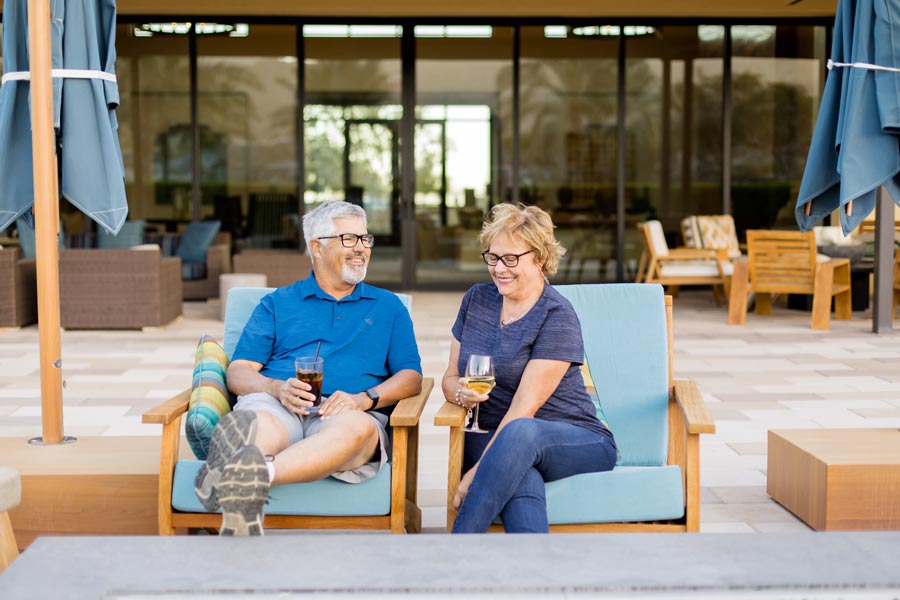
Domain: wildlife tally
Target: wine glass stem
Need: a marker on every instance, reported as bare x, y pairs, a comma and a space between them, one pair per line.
475, 419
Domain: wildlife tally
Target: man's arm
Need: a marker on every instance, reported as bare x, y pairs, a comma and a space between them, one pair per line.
244, 377
398, 386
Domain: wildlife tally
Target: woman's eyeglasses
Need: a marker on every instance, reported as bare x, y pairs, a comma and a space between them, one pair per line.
349, 240
510, 260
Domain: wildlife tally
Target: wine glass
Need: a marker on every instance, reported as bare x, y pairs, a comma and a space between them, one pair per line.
480, 379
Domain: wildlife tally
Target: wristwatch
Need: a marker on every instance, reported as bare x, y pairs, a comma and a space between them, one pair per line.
373, 395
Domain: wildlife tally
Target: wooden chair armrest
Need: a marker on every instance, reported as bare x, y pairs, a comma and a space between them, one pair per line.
450, 415
408, 411
696, 416
169, 410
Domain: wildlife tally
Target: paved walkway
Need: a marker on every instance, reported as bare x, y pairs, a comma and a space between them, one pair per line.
775, 372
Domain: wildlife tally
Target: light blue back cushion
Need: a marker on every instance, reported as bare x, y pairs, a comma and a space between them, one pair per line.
131, 234
626, 345
196, 239
27, 240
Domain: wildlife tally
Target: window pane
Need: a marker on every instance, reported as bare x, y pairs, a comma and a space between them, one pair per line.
154, 114
248, 149
776, 85
463, 141
568, 144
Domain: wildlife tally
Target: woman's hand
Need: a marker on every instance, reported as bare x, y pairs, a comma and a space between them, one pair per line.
466, 397
463, 488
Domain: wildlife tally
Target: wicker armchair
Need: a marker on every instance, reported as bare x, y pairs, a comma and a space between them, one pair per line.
18, 290
118, 289
281, 267
218, 262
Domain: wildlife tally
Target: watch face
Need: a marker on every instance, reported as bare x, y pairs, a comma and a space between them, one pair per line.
371, 393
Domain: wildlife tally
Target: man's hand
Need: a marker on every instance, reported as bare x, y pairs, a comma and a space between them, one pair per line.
295, 395
340, 402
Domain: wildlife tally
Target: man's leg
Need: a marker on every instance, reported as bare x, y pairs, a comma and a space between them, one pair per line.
344, 442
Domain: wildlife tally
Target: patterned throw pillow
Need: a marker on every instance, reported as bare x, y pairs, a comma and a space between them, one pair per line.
210, 399
592, 392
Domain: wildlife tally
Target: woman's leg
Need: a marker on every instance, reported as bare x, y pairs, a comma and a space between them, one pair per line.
552, 449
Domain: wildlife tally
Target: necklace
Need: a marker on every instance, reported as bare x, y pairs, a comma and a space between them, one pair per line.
519, 314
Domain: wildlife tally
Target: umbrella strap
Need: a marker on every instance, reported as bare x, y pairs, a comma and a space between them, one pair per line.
61, 74
858, 65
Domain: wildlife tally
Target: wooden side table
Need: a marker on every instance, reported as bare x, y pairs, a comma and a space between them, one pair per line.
837, 479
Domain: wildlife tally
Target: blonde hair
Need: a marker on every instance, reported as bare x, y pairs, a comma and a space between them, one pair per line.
528, 224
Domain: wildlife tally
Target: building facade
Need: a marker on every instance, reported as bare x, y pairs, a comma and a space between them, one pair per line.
604, 114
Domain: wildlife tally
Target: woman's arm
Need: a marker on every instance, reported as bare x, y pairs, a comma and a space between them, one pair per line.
539, 380
450, 381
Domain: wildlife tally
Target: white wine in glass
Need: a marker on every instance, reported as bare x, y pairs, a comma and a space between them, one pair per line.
480, 378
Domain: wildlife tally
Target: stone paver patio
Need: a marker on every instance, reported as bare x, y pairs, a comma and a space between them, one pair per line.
775, 372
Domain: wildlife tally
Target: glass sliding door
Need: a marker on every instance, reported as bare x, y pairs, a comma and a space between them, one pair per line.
352, 130
777, 78
248, 145
154, 124
568, 142
463, 142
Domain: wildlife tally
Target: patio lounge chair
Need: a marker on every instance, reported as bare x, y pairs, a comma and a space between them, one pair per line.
387, 501
656, 421
18, 289
118, 289
681, 266
786, 262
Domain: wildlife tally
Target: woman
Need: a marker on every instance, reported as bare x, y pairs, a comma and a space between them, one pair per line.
542, 424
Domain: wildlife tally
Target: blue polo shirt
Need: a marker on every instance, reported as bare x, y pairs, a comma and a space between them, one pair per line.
365, 337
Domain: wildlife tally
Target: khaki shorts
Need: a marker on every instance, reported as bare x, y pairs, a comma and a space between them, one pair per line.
300, 427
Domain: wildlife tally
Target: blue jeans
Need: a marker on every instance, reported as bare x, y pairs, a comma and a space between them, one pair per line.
510, 478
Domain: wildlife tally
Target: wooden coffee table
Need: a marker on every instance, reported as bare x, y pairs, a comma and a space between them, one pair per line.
837, 479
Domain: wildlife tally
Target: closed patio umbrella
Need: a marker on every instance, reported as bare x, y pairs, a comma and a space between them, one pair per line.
855, 146
79, 106
85, 95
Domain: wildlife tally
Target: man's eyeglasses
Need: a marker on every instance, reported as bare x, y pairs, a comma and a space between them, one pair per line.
510, 260
349, 240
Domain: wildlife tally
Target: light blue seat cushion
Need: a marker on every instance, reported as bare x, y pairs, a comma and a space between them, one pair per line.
623, 494
131, 234
196, 239
27, 239
328, 497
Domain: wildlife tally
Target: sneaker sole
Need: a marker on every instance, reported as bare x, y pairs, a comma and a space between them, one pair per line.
243, 492
234, 431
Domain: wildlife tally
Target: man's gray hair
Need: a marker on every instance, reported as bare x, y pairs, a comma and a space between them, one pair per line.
319, 222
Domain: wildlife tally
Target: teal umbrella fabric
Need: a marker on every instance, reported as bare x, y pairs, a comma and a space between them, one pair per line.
85, 96
855, 146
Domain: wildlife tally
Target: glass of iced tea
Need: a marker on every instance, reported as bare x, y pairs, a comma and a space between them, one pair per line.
480, 379
309, 370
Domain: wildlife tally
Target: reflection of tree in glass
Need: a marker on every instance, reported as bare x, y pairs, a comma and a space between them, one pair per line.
771, 128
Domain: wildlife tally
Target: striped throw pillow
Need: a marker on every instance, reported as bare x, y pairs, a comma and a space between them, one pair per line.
210, 399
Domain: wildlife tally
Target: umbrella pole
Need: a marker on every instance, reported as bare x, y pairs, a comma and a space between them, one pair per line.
46, 221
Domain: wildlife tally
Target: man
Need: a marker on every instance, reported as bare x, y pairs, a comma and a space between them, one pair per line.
365, 336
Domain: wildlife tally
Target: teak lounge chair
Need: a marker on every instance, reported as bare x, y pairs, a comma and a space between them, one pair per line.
387, 501
656, 421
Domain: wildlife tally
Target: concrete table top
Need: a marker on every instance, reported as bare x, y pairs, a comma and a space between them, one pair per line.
808, 565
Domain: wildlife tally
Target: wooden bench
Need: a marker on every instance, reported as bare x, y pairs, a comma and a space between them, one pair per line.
837, 479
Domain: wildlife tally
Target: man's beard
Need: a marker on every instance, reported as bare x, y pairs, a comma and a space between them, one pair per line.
351, 275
